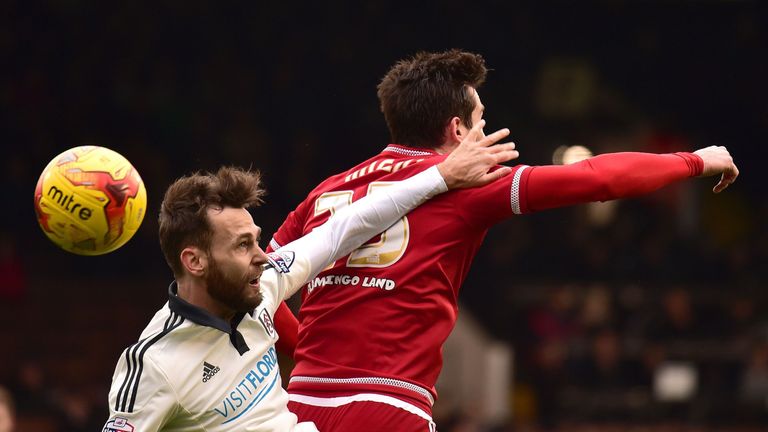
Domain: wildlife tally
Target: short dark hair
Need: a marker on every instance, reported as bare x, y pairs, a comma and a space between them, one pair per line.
183, 213
420, 95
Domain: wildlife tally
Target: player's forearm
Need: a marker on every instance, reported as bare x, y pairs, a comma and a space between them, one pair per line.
355, 224
607, 177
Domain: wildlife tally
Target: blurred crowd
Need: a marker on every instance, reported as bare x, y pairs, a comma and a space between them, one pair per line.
649, 311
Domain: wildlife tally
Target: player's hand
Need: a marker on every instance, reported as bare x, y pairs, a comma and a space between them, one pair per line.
717, 160
468, 165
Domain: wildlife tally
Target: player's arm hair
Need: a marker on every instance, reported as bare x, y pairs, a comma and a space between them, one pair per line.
607, 177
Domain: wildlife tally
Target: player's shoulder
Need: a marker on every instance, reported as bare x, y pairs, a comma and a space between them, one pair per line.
385, 166
147, 366
164, 327
330, 183
150, 360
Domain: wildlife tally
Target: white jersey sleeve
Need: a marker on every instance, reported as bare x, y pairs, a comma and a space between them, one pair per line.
352, 226
149, 410
286, 272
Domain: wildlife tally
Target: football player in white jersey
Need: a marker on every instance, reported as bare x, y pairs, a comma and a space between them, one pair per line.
207, 360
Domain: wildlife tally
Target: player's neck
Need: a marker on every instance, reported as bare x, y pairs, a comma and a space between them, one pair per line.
195, 292
446, 147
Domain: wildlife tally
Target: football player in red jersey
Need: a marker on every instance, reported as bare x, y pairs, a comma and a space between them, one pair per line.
372, 325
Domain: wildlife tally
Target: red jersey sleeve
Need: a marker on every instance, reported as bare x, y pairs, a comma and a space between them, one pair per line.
287, 327
606, 177
486, 205
291, 229
600, 178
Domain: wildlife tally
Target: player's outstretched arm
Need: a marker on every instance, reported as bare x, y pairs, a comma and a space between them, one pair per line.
622, 175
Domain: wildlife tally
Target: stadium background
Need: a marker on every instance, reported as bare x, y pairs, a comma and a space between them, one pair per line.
593, 305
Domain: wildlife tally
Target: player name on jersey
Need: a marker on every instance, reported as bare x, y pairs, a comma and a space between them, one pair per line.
351, 280
387, 165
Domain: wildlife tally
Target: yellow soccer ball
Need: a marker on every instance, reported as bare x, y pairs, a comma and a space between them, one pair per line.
90, 200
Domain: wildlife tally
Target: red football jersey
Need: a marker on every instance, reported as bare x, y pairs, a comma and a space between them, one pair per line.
376, 320
386, 309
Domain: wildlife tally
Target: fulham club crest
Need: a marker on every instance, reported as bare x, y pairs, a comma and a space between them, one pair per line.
266, 321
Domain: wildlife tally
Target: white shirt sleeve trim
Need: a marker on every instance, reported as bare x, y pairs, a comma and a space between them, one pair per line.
515, 190
335, 402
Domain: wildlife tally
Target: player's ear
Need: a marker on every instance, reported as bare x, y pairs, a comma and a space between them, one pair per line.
194, 260
453, 132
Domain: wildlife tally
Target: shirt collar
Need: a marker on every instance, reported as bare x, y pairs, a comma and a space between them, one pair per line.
409, 151
196, 314
200, 316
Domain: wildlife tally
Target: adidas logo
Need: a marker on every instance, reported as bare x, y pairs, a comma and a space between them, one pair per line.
209, 371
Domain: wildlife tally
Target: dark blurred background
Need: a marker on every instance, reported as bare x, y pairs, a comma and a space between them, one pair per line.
598, 301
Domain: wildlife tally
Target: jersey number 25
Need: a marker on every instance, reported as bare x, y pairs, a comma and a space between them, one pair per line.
383, 253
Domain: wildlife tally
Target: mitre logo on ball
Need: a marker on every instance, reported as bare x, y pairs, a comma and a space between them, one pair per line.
90, 200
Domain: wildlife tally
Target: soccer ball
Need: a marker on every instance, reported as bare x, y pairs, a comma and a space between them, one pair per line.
90, 200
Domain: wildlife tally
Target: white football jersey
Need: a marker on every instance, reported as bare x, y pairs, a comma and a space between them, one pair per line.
190, 371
